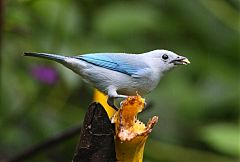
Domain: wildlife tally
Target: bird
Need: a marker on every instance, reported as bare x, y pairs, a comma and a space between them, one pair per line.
119, 75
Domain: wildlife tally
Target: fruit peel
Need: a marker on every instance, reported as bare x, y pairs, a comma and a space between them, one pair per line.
130, 133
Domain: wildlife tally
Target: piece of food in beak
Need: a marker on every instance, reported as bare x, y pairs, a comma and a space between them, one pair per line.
185, 61
180, 61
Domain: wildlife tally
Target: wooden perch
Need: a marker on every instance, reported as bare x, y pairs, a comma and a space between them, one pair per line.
96, 138
100, 143
95, 113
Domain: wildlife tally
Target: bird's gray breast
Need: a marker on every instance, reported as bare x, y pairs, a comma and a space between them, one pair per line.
141, 85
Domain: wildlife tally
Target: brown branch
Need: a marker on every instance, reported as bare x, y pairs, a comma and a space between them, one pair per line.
96, 138
49, 143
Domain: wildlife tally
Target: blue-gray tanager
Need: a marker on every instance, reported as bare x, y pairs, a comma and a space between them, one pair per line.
119, 75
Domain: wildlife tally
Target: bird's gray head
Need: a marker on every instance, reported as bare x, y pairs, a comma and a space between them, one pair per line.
166, 60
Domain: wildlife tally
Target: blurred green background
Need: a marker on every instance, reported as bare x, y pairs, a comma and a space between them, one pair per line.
198, 105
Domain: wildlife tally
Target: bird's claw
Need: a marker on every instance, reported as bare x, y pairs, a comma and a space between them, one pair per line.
121, 103
115, 107
110, 102
145, 104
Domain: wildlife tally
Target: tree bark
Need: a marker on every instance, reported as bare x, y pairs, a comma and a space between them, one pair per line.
96, 142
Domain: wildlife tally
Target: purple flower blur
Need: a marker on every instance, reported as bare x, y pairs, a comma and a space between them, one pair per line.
45, 74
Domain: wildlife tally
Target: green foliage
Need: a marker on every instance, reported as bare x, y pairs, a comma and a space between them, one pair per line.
223, 137
130, 20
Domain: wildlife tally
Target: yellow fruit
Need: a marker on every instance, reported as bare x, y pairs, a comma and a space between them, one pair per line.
131, 134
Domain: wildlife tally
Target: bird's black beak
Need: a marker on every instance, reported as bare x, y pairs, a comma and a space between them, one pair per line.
180, 61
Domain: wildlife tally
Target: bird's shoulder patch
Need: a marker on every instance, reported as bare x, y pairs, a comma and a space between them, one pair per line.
124, 63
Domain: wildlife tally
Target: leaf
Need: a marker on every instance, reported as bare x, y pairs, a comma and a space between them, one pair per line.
222, 137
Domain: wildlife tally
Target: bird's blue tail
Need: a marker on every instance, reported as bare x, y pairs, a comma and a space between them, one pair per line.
53, 57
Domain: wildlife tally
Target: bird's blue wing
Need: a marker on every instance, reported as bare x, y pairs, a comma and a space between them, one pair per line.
117, 62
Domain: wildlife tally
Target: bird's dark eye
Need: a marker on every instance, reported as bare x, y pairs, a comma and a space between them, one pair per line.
164, 57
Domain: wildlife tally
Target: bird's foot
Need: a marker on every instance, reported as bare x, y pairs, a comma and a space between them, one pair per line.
110, 101
121, 103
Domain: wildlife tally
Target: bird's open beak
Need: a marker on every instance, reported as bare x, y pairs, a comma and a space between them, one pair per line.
180, 61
